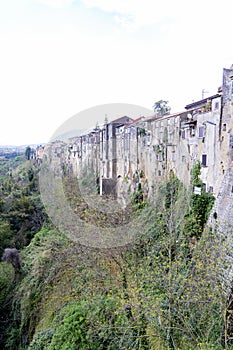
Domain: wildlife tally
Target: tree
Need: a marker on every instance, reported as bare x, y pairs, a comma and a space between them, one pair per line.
6, 234
28, 152
11, 256
161, 107
200, 204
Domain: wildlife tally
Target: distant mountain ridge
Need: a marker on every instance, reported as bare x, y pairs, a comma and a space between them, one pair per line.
67, 135
20, 147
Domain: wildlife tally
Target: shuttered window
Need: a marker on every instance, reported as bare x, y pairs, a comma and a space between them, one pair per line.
201, 131
204, 160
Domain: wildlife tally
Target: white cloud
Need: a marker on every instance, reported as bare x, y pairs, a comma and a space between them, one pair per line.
135, 13
52, 67
56, 3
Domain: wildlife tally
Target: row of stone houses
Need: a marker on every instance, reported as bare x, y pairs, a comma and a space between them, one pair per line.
146, 149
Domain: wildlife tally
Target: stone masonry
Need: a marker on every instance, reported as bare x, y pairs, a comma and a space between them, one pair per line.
126, 152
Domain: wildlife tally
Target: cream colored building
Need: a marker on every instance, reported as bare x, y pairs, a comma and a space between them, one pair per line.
145, 150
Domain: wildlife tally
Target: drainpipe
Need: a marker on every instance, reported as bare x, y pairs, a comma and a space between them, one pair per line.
81, 145
101, 185
220, 123
137, 147
129, 142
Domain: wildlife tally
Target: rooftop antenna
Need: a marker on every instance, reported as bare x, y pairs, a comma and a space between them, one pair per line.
106, 119
203, 92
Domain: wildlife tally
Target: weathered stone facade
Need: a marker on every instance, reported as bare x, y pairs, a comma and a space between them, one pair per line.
145, 150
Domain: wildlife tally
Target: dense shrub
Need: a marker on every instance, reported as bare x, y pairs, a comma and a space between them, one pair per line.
42, 340
6, 282
162, 292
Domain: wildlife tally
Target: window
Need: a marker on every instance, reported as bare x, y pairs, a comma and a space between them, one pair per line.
183, 134
216, 105
211, 189
204, 160
148, 139
231, 141
201, 131
224, 127
160, 157
197, 190
159, 172
192, 131
230, 91
204, 186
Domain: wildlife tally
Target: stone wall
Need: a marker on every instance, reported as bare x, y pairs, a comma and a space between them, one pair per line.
147, 149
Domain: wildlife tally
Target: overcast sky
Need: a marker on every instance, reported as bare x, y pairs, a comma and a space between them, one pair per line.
59, 57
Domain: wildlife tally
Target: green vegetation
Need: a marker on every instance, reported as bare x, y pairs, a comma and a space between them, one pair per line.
8, 163
162, 292
161, 107
200, 205
22, 213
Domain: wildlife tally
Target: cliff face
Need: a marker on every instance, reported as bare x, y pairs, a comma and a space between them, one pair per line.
224, 203
222, 214
125, 157
224, 197
71, 283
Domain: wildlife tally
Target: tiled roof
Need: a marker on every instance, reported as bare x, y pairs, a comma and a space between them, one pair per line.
166, 116
201, 102
135, 122
119, 120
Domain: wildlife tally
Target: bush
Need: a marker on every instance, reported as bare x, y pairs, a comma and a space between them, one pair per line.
6, 235
6, 282
94, 325
11, 256
42, 340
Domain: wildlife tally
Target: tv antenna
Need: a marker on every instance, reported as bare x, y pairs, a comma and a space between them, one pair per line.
203, 92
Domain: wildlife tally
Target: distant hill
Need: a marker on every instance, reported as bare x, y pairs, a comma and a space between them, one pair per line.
67, 135
20, 147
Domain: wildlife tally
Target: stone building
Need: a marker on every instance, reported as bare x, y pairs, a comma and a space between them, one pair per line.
113, 147
145, 150
131, 146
